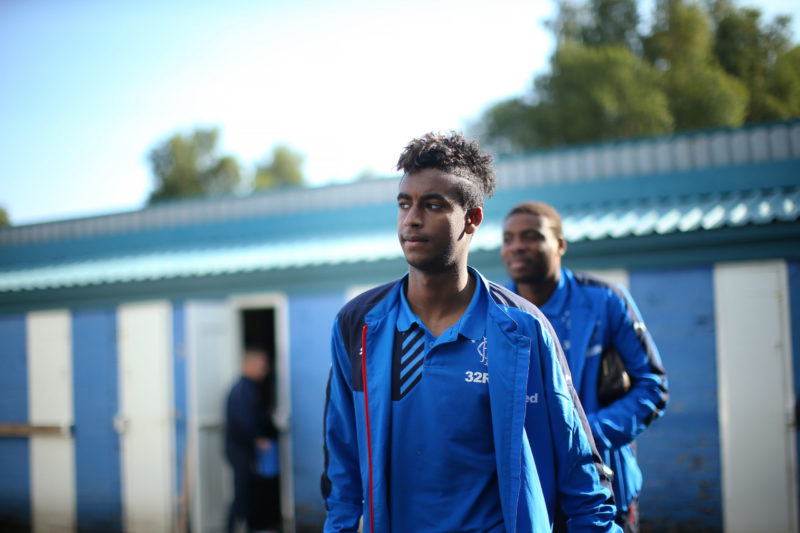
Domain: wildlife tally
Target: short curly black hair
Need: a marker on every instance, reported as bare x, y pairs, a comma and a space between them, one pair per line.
453, 154
539, 209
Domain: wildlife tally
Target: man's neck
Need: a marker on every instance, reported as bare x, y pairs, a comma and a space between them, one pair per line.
440, 299
537, 293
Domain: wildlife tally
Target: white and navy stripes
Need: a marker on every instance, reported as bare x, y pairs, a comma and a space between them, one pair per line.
408, 359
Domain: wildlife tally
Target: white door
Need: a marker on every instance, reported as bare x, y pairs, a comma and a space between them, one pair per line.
213, 366
50, 397
754, 369
145, 420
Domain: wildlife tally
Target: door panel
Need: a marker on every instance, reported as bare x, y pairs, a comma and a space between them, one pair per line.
50, 404
755, 399
145, 420
213, 367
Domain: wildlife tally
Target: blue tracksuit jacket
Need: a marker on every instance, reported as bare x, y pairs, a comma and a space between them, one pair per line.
544, 457
603, 316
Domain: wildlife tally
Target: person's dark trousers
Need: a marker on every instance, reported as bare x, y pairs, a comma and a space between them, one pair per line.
265, 506
629, 520
240, 507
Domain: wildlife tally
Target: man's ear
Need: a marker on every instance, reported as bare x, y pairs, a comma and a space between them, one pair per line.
474, 218
562, 245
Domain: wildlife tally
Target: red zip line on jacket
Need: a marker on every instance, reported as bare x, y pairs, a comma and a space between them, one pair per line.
366, 411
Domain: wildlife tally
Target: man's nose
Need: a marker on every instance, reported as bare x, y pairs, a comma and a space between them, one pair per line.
412, 217
513, 245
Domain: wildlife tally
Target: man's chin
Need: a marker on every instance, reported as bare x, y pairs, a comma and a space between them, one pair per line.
526, 279
428, 266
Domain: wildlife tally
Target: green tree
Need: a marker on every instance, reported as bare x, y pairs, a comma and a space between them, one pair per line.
513, 125
680, 35
591, 93
570, 21
783, 86
597, 23
189, 165
602, 92
700, 92
285, 168
701, 96
4, 220
750, 49
701, 63
612, 22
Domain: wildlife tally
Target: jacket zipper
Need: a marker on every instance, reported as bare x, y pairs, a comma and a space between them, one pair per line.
366, 412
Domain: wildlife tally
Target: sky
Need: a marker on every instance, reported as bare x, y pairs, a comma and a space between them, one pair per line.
88, 88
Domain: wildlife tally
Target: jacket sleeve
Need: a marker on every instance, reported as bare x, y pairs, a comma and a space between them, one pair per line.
622, 421
341, 480
584, 492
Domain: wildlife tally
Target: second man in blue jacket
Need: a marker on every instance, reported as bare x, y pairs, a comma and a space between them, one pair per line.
616, 367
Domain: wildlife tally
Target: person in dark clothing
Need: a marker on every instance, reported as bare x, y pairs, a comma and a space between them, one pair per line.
250, 433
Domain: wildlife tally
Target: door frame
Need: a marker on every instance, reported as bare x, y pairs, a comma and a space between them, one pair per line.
280, 305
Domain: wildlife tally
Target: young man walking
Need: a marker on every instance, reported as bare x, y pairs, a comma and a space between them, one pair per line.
447, 408
600, 330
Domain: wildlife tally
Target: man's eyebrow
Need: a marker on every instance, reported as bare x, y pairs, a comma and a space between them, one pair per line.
434, 196
424, 197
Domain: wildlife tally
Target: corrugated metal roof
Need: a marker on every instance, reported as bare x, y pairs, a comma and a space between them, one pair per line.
622, 159
689, 214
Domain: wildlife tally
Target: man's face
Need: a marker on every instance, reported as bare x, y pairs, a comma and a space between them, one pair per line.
531, 250
431, 224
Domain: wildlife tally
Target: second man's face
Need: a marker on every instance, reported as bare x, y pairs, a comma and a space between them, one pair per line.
531, 250
431, 224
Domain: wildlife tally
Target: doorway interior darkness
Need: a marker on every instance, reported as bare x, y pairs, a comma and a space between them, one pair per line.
259, 331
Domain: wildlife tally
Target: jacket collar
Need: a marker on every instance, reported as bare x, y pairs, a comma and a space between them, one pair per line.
471, 325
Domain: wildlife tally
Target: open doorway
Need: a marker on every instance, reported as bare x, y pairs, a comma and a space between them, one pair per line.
258, 336
258, 332
262, 324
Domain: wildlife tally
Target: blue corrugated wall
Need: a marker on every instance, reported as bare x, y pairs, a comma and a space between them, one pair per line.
793, 273
310, 320
96, 397
679, 454
15, 484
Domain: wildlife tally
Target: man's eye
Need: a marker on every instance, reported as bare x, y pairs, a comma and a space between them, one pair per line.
434, 206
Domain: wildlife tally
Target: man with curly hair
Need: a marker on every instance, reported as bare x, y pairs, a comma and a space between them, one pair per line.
448, 405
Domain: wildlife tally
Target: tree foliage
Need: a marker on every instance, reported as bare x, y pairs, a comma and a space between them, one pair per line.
700, 92
698, 65
612, 22
756, 53
624, 100
189, 165
4, 219
285, 168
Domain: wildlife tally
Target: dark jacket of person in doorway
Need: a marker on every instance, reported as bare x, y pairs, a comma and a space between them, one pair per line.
249, 429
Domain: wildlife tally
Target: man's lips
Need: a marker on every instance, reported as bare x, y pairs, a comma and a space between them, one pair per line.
414, 239
518, 263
